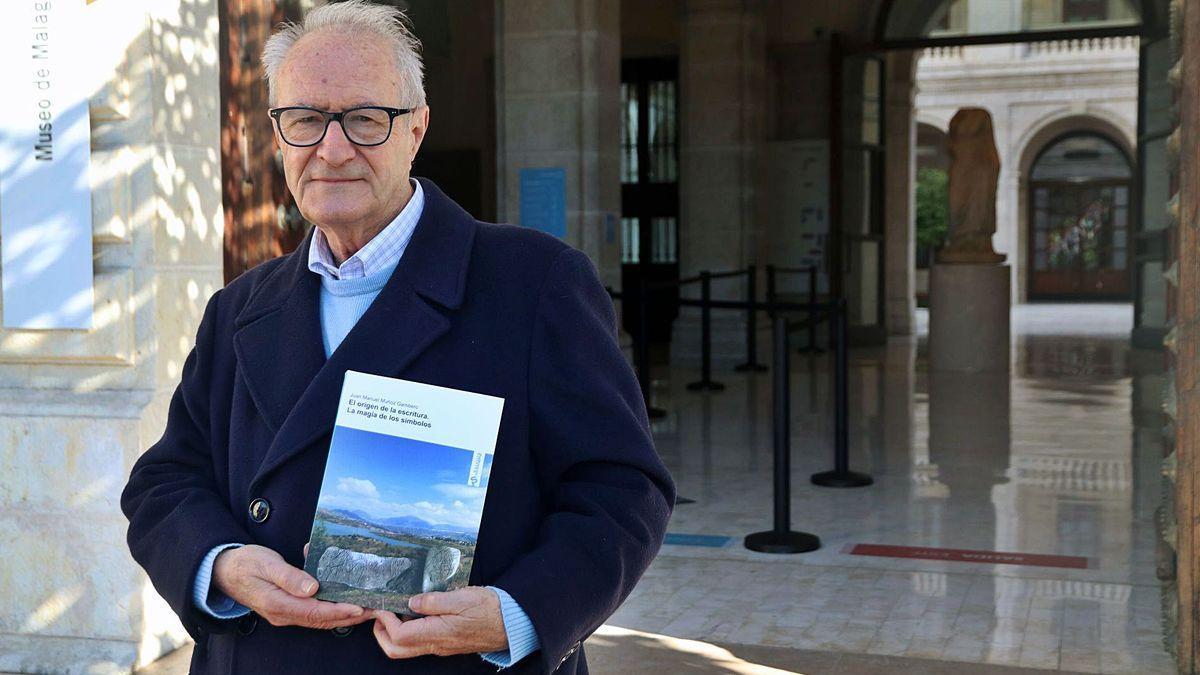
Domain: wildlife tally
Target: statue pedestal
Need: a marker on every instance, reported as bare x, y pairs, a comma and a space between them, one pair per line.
969, 307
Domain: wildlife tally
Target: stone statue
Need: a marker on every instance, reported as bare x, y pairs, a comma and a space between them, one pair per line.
974, 171
441, 564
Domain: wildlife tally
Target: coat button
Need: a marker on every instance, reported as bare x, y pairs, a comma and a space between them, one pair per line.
247, 624
260, 510
343, 631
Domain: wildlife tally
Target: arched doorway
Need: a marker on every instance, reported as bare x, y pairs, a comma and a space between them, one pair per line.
1080, 194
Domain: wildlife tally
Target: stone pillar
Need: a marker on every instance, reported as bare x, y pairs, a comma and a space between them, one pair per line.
1182, 404
900, 198
78, 407
722, 74
558, 74
969, 288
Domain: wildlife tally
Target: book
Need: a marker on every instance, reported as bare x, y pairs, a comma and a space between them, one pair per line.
403, 491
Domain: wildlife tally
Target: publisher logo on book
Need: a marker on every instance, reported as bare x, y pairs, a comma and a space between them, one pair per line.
476, 474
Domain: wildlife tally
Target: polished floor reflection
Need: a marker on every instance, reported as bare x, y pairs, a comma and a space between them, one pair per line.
1047, 461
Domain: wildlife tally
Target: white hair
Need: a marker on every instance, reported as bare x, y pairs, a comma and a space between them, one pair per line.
357, 17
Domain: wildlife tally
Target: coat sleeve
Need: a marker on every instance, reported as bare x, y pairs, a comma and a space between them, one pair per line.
610, 497
175, 508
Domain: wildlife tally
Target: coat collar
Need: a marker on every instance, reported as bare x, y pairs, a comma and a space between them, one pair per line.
278, 343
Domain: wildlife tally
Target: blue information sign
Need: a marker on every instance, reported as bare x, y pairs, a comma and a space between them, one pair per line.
544, 200
709, 540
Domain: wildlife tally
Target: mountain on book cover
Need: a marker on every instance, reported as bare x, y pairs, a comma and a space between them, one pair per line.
403, 492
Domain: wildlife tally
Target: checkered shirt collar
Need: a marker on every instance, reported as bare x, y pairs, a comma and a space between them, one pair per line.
383, 251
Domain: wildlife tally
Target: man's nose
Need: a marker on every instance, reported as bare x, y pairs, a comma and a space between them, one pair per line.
335, 148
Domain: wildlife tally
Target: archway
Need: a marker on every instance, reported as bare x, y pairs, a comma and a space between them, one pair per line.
901, 21
1039, 137
919, 24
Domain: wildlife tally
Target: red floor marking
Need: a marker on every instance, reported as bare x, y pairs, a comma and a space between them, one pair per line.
964, 555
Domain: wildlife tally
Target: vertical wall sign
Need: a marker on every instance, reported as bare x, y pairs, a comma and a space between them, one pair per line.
544, 200
812, 200
45, 139
798, 189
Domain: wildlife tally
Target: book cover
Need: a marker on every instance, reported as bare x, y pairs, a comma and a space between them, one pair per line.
403, 491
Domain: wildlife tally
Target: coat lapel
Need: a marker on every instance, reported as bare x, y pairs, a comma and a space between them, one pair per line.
292, 384
277, 338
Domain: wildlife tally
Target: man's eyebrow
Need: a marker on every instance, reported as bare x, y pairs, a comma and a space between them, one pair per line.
357, 104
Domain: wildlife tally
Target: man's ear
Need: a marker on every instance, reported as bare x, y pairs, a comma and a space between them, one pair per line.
419, 127
275, 135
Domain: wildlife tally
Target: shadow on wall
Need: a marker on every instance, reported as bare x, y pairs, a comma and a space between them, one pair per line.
154, 173
154, 186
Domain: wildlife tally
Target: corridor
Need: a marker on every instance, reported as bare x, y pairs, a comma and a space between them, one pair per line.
1057, 466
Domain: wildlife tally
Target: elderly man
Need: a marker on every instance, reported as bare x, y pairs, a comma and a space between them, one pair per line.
395, 280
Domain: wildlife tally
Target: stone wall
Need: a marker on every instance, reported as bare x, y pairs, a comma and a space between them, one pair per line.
558, 83
78, 407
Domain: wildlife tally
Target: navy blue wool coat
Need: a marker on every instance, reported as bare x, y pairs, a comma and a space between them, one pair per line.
578, 500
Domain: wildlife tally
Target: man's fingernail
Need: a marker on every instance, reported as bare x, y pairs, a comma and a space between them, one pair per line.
414, 604
310, 587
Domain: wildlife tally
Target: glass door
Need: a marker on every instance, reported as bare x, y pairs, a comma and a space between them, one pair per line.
1079, 244
1080, 201
650, 191
858, 230
1153, 193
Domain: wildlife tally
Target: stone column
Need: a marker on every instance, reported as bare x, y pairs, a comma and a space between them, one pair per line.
722, 74
78, 407
1182, 405
558, 74
900, 198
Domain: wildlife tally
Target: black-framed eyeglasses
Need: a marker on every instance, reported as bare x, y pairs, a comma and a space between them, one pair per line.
367, 125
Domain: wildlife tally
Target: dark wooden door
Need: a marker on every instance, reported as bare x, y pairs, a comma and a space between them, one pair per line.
261, 220
650, 191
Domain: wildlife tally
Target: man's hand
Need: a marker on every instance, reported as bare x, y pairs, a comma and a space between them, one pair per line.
465, 621
258, 578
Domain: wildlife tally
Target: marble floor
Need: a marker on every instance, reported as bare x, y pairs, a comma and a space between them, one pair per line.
1061, 458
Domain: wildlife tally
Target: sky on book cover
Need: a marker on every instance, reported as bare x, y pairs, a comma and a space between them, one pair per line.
384, 478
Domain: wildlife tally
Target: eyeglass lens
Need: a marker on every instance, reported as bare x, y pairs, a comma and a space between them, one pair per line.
366, 126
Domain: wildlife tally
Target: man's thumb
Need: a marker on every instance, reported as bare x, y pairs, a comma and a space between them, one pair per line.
444, 602
296, 582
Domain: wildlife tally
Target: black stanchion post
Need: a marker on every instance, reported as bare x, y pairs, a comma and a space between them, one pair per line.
706, 382
782, 539
751, 364
641, 350
841, 476
811, 347
771, 291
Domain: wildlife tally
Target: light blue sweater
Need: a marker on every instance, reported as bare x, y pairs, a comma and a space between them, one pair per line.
344, 301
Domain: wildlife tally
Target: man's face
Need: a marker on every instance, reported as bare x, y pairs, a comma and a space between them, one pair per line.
336, 183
